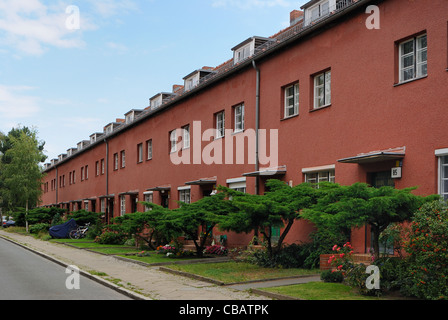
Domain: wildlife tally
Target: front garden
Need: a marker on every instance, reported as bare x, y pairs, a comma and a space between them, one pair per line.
415, 227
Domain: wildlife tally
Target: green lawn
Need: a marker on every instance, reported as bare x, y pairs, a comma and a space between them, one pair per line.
320, 291
230, 272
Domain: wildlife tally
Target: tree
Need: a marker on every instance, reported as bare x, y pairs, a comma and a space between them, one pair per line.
279, 207
340, 208
20, 173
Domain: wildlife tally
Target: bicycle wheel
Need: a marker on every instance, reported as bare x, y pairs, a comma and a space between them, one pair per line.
74, 234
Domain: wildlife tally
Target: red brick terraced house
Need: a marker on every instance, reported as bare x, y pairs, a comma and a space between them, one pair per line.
352, 91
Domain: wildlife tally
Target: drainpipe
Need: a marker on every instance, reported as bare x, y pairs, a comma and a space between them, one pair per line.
57, 184
257, 123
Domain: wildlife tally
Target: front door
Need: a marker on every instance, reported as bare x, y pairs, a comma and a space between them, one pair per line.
382, 179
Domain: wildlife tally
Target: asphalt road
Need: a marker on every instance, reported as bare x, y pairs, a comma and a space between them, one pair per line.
27, 276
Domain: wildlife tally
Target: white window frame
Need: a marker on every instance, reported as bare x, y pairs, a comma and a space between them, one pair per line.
322, 90
442, 154
184, 194
122, 205
320, 10
294, 98
149, 149
220, 124
173, 141
123, 159
140, 152
116, 161
103, 205
186, 136
238, 184
149, 197
320, 174
239, 118
417, 55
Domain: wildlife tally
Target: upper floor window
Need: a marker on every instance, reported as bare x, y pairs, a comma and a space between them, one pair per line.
322, 89
173, 141
123, 158
186, 136
116, 161
413, 58
220, 124
320, 10
239, 118
149, 149
292, 100
140, 152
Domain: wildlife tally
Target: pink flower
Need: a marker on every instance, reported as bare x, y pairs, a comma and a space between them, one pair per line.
334, 247
340, 267
341, 255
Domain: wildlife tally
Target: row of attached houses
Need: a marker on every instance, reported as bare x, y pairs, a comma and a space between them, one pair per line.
352, 91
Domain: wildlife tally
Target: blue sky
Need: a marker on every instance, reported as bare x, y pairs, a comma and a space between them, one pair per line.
69, 84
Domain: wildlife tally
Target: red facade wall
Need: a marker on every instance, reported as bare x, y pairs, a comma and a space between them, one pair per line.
369, 112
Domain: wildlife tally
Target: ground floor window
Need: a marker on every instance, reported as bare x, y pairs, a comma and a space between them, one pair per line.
443, 176
184, 196
320, 176
122, 205
148, 198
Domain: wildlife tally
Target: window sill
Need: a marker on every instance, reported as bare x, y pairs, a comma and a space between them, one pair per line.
409, 81
289, 117
320, 108
236, 132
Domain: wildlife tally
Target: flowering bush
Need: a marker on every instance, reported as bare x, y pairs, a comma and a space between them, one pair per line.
352, 274
167, 249
216, 249
427, 274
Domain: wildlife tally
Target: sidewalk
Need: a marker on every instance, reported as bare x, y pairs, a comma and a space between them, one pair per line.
139, 281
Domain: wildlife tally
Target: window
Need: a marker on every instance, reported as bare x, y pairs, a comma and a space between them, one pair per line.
243, 53
173, 141
442, 155
320, 176
322, 90
186, 136
122, 205
292, 100
413, 62
74, 176
103, 205
87, 172
220, 124
184, 196
237, 184
239, 118
320, 10
148, 198
70, 179
140, 152
97, 168
102, 166
82, 173
149, 150
116, 161
123, 158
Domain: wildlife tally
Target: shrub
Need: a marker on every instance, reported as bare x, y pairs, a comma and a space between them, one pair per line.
332, 276
40, 227
110, 237
216, 249
290, 256
427, 274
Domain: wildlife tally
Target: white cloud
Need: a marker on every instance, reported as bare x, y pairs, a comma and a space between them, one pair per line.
30, 26
250, 4
15, 104
108, 8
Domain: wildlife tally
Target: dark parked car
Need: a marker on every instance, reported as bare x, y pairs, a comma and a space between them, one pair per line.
7, 223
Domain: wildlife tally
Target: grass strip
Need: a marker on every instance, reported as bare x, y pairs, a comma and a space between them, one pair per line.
233, 272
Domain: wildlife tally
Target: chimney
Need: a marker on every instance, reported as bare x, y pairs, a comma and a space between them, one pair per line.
295, 16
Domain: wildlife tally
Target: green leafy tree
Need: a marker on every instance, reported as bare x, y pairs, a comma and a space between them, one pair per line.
279, 207
20, 173
340, 208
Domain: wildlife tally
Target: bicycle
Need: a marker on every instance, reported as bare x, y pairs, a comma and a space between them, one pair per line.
79, 233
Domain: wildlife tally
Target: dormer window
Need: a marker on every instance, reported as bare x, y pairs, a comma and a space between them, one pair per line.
156, 101
94, 137
246, 49
71, 151
131, 115
83, 144
318, 9
111, 127
194, 78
